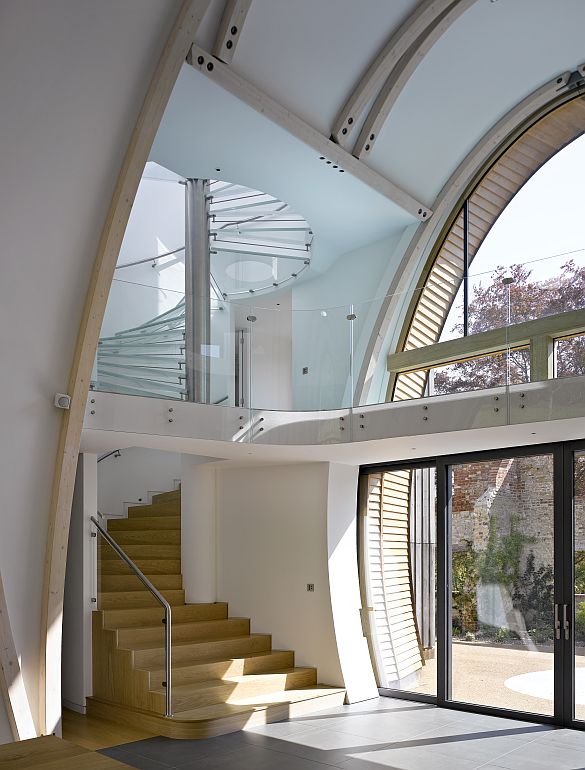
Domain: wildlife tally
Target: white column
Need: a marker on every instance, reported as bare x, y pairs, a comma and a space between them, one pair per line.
80, 588
198, 529
352, 646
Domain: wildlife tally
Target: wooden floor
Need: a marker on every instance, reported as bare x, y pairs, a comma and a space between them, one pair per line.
93, 734
52, 753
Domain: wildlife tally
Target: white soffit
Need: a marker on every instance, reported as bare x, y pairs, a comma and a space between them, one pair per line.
492, 57
205, 128
309, 54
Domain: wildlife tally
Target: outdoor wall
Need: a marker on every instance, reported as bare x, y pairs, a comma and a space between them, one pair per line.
518, 492
130, 477
322, 342
67, 115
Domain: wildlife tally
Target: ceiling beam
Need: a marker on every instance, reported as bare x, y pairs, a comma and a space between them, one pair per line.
401, 74
324, 147
396, 46
230, 29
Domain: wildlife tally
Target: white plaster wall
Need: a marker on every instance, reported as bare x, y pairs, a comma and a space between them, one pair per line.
323, 342
130, 477
156, 226
74, 78
198, 529
271, 542
80, 587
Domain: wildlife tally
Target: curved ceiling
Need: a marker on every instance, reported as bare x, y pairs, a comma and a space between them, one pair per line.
310, 55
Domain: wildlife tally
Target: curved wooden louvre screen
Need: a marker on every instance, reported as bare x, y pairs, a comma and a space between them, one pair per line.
429, 309
393, 629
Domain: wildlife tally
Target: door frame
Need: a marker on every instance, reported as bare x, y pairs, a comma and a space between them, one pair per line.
563, 522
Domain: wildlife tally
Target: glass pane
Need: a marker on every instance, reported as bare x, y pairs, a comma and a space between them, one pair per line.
507, 368
579, 566
502, 583
570, 356
400, 568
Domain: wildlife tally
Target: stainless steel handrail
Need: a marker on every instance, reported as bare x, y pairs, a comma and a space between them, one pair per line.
115, 452
150, 259
167, 684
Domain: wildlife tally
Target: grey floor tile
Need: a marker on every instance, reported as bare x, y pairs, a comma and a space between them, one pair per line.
542, 756
142, 763
253, 758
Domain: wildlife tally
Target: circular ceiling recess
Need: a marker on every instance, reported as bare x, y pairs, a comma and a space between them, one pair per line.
257, 242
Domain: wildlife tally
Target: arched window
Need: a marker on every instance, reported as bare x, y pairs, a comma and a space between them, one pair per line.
462, 290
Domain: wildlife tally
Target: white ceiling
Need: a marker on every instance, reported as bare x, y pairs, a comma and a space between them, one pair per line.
489, 60
205, 128
309, 54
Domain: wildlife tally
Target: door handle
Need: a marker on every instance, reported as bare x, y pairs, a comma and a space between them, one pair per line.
557, 623
566, 621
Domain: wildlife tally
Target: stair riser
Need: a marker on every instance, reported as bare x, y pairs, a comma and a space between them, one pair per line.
209, 728
132, 599
135, 618
227, 692
156, 509
203, 672
148, 537
148, 566
167, 497
185, 632
144, 522
136, 552
132, 583
199, 652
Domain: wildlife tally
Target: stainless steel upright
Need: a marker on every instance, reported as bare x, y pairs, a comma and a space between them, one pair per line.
161, 599
197, 290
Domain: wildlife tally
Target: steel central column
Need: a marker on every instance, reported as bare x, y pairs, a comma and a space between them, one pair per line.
197, 283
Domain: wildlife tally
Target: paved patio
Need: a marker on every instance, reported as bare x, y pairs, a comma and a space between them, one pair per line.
492, 675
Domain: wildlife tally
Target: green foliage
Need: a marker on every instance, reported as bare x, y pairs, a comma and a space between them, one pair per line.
533, 596
580, 622
529, 299
500, 562
531, 588
464, 583
580, 572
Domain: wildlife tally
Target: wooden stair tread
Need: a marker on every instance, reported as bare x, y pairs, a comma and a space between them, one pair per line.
250, 656
259, 703
224, 677
150, 645
169, 522
134, 617
210, 683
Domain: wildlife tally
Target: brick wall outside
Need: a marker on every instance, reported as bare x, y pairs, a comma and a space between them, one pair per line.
518, 492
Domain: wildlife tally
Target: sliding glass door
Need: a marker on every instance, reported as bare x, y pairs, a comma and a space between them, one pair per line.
501, 573
473, 580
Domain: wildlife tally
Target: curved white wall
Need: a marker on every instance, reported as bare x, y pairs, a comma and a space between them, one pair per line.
74, 77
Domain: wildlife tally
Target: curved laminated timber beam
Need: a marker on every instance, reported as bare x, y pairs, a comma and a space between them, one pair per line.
230, 29
397, 45
401, 74
164, 78
419, 258
11, 681
251, 95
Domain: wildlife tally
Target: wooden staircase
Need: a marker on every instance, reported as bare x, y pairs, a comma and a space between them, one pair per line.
224, 677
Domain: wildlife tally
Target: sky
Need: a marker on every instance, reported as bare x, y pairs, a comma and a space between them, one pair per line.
542, 227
